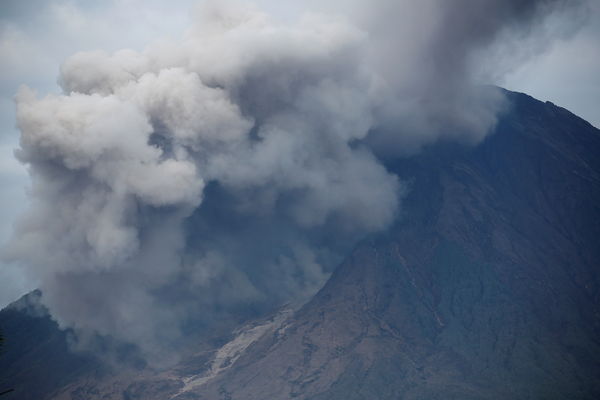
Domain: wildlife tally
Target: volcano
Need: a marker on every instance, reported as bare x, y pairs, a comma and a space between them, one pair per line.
486, 287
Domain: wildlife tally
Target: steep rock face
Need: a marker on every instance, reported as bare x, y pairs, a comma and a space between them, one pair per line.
486, 289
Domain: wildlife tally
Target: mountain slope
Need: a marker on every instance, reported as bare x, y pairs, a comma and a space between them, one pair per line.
486, 289
36, 360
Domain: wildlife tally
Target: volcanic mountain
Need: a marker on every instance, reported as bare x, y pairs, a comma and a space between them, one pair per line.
486, 287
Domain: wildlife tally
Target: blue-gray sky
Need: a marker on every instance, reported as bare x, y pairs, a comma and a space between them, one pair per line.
37, 36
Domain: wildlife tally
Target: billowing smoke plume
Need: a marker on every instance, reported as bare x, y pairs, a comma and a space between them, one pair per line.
203, 180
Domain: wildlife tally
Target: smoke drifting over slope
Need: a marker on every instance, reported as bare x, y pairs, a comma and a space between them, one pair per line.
231, 170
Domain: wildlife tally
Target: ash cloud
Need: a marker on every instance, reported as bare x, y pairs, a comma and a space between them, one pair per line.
208, 179
433, 56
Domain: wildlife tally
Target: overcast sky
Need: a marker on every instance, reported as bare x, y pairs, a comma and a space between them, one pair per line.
36, 36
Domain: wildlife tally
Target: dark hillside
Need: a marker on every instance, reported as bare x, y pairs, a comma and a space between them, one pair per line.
487, 288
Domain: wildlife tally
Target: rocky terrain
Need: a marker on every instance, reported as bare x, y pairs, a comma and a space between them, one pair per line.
487, 287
